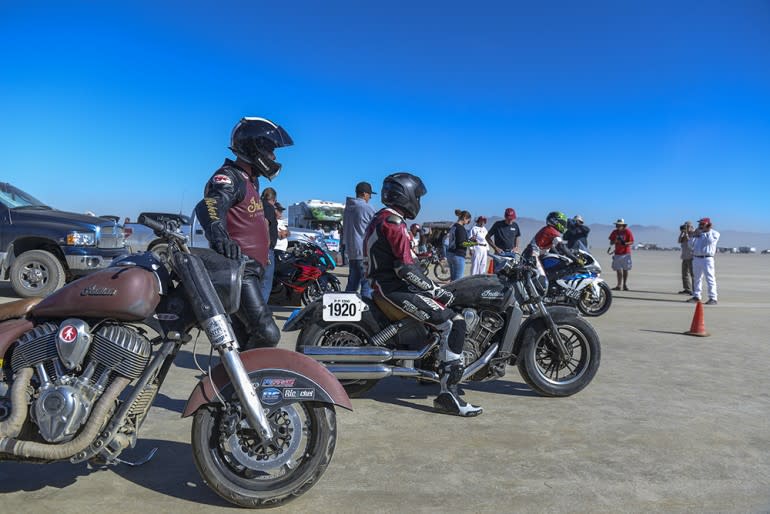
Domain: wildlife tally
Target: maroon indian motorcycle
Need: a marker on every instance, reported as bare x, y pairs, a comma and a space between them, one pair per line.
80, 369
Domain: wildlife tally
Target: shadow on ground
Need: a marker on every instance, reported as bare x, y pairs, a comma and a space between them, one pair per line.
399, 391
171, 472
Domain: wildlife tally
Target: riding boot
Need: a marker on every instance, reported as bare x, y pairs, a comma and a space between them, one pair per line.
254, 312
448, 401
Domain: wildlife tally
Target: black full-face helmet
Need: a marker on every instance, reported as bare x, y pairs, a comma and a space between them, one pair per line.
254, 140
402, 191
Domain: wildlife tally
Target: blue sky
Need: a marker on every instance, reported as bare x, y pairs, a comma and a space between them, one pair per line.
652, 111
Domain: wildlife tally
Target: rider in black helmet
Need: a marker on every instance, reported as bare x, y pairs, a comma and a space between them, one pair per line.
232, 216
399, 279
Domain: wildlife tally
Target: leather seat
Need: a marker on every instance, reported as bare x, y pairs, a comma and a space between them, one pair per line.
390, 311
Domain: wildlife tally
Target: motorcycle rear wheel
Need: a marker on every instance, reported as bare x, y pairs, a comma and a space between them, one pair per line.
545, 372
248, 474
338, 334
590, 307
442, 271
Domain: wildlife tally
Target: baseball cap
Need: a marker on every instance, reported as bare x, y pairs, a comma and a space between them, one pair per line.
578, 217
620, 221
364, 187
707, 221
481, 219
510, 214
279, 207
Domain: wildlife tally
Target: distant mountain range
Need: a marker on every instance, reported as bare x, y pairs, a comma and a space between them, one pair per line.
660, 236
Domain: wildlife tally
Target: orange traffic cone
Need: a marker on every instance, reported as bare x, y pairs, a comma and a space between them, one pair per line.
491, 267
698, 327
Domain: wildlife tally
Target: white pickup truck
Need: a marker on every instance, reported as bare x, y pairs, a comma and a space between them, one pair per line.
140, 238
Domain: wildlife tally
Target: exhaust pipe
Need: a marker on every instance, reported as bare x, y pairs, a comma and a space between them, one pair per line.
347, 353
376, 372
370, 354
480, 363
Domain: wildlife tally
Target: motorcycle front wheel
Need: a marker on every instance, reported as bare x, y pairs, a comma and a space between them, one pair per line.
545, 371
595, 306
315, 290
442, 271
246, 472
338, 334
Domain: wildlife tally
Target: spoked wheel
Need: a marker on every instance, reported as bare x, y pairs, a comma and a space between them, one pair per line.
340, 334
592, 304
315, 290
543, 369
442, 271
245, 471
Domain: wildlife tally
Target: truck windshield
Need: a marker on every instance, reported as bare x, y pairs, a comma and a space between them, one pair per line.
14, 198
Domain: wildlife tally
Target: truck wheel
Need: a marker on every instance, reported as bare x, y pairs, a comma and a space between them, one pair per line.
36, 273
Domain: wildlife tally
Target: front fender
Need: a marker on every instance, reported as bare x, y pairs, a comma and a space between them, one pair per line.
559, 313
284, 369
300, 317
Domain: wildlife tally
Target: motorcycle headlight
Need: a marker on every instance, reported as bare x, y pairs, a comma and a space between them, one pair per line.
77, 238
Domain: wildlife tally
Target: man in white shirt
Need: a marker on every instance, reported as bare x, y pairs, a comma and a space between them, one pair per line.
283, 229
704, 246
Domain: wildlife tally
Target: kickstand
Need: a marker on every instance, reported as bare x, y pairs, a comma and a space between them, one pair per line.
145, 460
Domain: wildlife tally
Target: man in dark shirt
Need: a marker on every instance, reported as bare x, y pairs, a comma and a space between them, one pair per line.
576, 235
268, 205
504, 235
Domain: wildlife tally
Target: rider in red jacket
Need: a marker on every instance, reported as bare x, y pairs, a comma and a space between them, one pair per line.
397, 277
549, 238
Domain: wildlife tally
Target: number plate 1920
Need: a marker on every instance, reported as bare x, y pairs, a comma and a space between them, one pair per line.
342, 307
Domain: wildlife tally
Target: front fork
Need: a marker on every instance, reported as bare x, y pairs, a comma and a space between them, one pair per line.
552, 327
221, 335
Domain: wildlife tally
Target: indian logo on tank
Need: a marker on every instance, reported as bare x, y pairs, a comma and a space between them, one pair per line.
98, 291
491, 293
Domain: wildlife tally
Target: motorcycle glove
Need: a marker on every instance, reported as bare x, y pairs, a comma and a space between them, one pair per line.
221, 242
443, 296
413, 275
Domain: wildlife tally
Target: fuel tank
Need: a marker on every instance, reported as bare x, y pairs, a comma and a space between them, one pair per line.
479, 291
122, 293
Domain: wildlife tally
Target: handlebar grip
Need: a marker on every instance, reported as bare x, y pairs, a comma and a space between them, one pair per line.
151, 223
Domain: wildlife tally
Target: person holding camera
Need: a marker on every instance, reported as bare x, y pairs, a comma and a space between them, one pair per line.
622, 238
685, 233
704, 245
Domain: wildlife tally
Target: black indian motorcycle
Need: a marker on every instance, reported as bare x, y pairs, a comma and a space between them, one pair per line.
80, 370
362, 341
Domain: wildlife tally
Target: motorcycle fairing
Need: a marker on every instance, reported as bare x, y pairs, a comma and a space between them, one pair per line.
277, 364
580, 281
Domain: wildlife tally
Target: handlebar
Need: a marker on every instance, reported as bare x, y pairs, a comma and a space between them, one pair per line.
162, 230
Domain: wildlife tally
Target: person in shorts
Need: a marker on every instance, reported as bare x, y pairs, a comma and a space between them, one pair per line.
623, 239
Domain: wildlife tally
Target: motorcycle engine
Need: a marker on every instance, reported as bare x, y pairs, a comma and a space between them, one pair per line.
73, 366
480, 328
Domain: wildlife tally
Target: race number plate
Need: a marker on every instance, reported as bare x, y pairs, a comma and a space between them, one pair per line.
342, 307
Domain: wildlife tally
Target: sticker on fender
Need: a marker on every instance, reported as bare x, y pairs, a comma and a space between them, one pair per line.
342, 307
